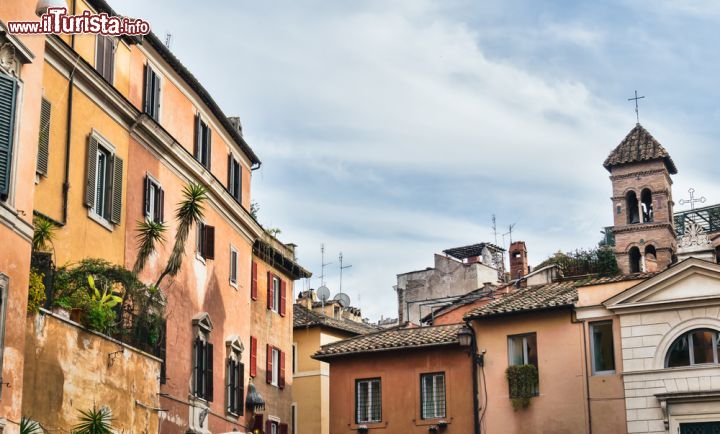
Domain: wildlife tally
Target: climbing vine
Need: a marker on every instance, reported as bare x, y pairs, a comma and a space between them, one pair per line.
523, 382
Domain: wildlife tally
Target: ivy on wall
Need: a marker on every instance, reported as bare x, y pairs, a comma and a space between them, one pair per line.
523, 383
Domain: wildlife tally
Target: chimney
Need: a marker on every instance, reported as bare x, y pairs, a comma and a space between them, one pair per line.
518, 260
235, 122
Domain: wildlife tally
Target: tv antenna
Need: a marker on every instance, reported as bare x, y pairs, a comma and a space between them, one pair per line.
323, 264
168, 40
494, 228
340, 257
509, 232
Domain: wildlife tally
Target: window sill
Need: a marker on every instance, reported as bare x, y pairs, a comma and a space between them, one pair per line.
99, 220
433, 421
369, 425
233, 284
199, 257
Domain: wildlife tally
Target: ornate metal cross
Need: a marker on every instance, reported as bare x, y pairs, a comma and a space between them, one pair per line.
692, 201
637, 111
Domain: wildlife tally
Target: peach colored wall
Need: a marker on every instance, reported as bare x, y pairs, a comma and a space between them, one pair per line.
271, 328
456, 316
595, 295
562, 406
399, 372
16, 233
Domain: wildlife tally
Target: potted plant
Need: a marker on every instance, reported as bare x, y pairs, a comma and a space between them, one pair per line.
94, 421
523, 381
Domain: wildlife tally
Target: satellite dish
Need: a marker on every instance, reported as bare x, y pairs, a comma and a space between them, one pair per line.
343, 299
323, 293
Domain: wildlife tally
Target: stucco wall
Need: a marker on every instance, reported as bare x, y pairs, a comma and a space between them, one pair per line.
646, 338
68, 368
400, 372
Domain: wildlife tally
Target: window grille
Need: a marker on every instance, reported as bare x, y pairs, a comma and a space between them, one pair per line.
432, 392
368, 403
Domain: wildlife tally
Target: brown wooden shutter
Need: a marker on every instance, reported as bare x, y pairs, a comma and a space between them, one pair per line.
197, 145
283, 297
209, 372
254, 282
147, 91
268, 427
197, 367
209, 242
231, 176
258, 422
268, 363
240, 377
284, 428
44, 138
269, 290
116, 211
146, 197
281, 369
253, 356
162, 205
91, 174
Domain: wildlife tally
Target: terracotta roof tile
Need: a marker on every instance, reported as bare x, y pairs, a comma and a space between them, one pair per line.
613, 279
400, 337
304, 317
639, 145
536, 297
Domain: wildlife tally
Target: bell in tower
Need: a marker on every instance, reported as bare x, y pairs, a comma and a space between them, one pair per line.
640, 170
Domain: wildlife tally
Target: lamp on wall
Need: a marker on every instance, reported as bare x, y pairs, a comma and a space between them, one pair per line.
43, 5
465, 336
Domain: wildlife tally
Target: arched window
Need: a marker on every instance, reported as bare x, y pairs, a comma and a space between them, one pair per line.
650, 259
631, 202
699, 346
647, 207
635, 257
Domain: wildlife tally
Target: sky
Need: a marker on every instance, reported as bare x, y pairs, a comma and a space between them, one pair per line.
392, 130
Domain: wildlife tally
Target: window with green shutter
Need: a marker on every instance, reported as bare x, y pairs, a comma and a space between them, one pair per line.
8, 96
43, 155
104, 179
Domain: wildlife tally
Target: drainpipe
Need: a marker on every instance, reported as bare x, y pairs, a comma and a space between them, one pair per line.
71, 85
474, 361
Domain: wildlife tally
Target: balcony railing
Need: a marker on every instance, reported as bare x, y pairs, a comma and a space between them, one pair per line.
707, 218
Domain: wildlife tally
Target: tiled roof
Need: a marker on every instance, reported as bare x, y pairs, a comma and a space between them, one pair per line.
536, 297
400, 337
304, 317
613, 279
639, 145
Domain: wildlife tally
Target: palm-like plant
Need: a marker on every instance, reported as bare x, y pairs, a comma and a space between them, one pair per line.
94, 421
28, 426
43, 234
189, 212
149, 233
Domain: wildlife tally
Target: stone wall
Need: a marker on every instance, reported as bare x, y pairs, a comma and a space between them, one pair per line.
69, 368
646, 338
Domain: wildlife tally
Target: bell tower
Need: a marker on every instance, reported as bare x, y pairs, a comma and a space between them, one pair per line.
640, 170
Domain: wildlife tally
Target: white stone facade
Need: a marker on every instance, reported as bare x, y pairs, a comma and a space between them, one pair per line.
652, 316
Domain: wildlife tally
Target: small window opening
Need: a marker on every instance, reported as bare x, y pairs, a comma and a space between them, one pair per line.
647, 206
633, 215
635, 258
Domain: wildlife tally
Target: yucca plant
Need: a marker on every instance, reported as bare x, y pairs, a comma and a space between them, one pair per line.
149, 234
189, 212
94, 421
28, 426
43, 234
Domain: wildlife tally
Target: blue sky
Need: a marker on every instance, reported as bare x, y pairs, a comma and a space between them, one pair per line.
391, 130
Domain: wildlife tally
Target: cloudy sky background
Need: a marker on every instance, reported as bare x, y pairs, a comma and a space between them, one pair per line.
391, 130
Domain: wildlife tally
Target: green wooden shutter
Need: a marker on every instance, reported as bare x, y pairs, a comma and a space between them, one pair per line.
91, 171
116, 211
44, 138
8, 90
147, 91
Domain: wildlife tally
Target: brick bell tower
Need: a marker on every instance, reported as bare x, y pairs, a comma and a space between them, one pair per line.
640, 170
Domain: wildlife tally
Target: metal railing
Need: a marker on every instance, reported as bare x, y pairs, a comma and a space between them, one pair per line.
707, 218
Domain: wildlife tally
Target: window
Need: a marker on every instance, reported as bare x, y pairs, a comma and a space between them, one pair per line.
233, 266
693, 348
522, 350
154, 200
432, 395
602, 347
203, 368
633, 212
151, 97
274, 427
8, 96
4, 285
104, 56
648, 215
206, 241
275, 367
235, 384
276, 294
293, 417
103, 192
294, 358
635, 259
254, 281
368, 401
234, 178
202, 142
43, 155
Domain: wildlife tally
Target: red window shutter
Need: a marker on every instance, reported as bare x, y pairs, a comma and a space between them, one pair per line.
283, 428
209, 242
268, 427
253, 356
281, 380
258, 422
283, 296
269, 290
254, 283
269, 364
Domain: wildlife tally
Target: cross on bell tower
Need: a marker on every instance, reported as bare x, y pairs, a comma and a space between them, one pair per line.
637, 109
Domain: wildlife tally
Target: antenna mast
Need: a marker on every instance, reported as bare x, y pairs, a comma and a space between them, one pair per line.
494, 228
342, 268
323, 264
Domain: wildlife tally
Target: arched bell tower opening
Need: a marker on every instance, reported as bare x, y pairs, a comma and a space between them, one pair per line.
633, 211
635, 259
640, 170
